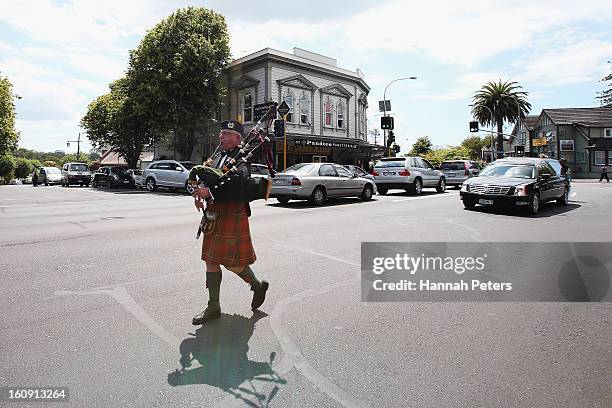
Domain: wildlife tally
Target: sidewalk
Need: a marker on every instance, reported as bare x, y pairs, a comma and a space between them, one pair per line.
590, 180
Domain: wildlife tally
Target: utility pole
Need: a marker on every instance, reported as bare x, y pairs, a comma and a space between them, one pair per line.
78, 142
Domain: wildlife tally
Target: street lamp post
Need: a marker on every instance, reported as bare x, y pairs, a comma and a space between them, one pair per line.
78, 142
385, 109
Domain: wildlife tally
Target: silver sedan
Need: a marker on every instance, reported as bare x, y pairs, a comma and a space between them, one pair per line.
317, 182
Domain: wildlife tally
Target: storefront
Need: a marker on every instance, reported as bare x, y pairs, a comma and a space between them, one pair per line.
318, 150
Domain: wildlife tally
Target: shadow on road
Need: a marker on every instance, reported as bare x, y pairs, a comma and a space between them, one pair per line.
547, 210
220, 347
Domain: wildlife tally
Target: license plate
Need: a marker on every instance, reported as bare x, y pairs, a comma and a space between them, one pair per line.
487, 202
125, 181
279, 181
388, 173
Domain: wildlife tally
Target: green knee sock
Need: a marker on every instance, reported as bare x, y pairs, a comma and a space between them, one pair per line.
249, 277
213, 282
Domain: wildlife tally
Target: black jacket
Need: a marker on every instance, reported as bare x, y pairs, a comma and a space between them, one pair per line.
236, 187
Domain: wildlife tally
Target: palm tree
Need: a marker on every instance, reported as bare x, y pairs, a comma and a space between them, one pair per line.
505, 101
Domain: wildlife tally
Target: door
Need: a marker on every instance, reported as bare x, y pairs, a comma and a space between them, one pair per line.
175, 175
330, 179
430, 177
163, 173
351, 186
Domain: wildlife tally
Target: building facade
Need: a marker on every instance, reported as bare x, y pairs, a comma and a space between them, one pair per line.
327, 117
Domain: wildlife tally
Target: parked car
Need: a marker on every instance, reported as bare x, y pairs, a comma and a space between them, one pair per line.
457, 171
317, 182
407, 173
359, 171
75, 173
517, 182
137, 175
110, 177
49, 175
259, 170
168, 173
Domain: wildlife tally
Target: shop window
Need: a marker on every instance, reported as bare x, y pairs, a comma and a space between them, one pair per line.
328, 113
607, 132
340, 115
247, 107
580, 157
304, 110
600, 158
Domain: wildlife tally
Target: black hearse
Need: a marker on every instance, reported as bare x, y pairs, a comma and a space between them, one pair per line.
516, 182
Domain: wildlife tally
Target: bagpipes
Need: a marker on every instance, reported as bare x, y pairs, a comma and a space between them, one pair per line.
208, 176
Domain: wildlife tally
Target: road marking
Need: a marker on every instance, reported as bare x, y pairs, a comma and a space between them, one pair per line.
425, 197
77, 202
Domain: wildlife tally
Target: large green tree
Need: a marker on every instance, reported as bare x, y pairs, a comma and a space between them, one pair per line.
497, 102
421, 147
9, 136
7, 167
176, 74
474, 145
437, 156
115, 119
605, 97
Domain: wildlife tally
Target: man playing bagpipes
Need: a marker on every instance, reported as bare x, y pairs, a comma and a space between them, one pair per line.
224, 191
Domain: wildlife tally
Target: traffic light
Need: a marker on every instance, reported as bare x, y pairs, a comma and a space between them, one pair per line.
473, 127
391, 138
396, 148
386, 122
279, 128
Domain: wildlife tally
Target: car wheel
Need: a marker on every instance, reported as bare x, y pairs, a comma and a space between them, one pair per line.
366, 194
441, 187
282, 200
534, 206
417, 188
189, 188
469, 204
46, 183
318, 196
151, 184
382, 191
564, 198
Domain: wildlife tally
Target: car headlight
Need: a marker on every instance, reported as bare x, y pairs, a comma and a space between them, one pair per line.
465, 187
520, 191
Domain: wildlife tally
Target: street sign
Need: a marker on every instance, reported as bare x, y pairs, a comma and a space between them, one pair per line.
539, 142
384, 106
283, 109
386, 122
261, 109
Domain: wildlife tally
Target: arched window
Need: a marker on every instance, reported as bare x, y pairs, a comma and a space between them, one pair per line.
247, 107
289, 99
328, 112
304, 109
340, 115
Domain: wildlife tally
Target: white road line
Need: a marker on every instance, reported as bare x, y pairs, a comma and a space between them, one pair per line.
426, 197
111, 200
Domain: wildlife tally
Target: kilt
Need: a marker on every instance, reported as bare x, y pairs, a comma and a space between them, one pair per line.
227, 240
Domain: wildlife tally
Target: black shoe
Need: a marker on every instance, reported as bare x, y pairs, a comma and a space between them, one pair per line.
211, 313
259, 295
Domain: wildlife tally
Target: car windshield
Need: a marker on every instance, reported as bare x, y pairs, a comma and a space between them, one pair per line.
452, 166
78, 167
300, 168
508, 171
187, 165
52, 170
390, 163
119, 170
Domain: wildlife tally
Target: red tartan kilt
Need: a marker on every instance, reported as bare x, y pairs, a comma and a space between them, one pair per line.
227, 240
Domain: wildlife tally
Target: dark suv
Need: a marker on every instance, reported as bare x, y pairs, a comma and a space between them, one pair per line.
113, 177
517, 182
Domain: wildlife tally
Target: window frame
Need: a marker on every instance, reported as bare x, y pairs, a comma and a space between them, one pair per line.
244, 107
304, 111
290, 99
603, 162
340, 115
328, 104
605, 132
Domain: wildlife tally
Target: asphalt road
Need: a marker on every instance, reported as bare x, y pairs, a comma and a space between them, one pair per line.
99, 288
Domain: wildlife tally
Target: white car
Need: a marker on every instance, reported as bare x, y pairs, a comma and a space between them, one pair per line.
168, 173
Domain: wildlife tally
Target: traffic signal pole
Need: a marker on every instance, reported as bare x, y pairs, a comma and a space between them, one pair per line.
285, 143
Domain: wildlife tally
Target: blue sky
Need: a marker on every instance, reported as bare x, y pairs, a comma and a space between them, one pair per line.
60, 55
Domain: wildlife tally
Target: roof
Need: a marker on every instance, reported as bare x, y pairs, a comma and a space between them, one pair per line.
530, 121
113, 158
310, 59
589, 117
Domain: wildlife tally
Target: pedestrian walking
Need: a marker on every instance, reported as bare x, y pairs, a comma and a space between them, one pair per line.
227, 238
35, 178
604, 174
